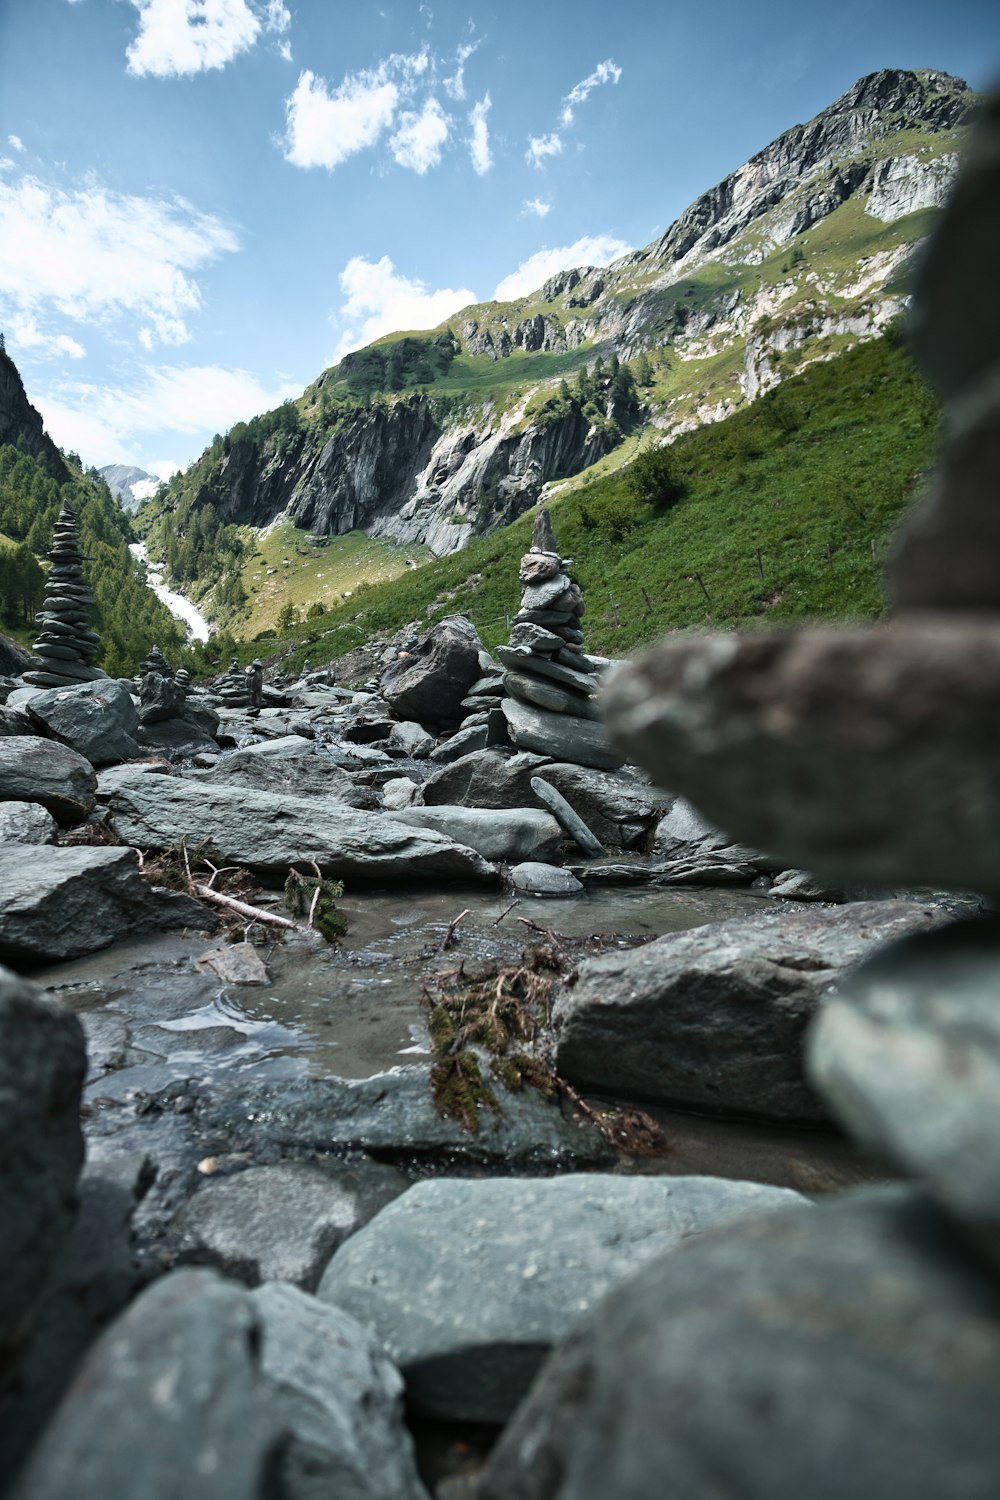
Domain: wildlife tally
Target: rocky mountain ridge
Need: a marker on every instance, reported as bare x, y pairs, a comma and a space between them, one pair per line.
794, 257
21, 423
130, 485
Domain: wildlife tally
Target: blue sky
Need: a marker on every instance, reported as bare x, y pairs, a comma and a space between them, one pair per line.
204, 202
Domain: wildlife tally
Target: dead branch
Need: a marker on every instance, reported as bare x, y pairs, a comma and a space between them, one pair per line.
449, 936
510, 908
243, 908
545, 931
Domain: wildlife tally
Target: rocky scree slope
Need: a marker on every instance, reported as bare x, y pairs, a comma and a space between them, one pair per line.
437, 438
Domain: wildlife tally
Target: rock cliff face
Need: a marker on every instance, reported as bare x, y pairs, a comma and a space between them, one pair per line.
20, 422
754, 267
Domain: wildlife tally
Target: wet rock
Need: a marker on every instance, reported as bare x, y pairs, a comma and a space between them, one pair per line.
505, 836
538, 879
429, 683
468, 1284
799, 885
846, 1351
908, 1054
410, 739
280, 1223
563, 736
308, 775
58, 903
785, 740
97, 719
398, 793
567, 817
269, 831
42, 1064
178, 739
26, 823
465, 742
715, 1018
33, 769
235, 963
203, 1383
690, 848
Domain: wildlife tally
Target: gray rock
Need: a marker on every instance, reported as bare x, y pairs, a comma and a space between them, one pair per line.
410, 739
26, 823
544, 880
536, 639
505, 836
908, 1054
546, 595
468, 1284
33, 769
847, 1351
428, 685
563, 736
714, 1018
281, 747
97, 719
269, 831
463, 743
280, 1223
308, 775
541, 693
58, 903
521, 659
204, 1387
799, 885
734, 722
178, 739
398, 793
567, 817
616, 805
42, 1065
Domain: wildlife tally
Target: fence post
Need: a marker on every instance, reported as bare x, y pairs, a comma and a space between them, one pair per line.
649, 602
760, 565
614, 612
703, 588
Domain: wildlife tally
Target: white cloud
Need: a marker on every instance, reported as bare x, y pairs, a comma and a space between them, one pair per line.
454, 86
6, 162
106, 424
324, 129
378, 300
479, 140
536, 206
605, 72
541, 146
92, 255
24, 333
590, 250
15, 142
189, 36
418, 141
285, 51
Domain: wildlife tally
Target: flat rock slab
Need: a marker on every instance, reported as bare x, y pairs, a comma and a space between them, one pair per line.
178, 739
302, 775
235, 963
280, 1223
908, 1054
33, 769
269, 831
42, 1065
508, 835
469, 1283
58, 903
844, 1352
203, 1387
585, 742
715, 1018
888, 736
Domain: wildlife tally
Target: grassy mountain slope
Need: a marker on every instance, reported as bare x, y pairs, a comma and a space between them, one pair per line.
786, 511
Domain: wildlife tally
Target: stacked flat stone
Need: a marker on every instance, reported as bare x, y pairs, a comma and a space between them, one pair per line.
232, 689
66, 644
549, 679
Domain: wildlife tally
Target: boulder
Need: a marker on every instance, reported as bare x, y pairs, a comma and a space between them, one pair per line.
538, 879
33, 769
429, 683
468, 1284
505, 836
307, 775
280, 1223
564, 736
464, 742
903, 797
178, 739
714, 1018
26, 823
908, 1054
272, 832
410, 739
57, 903
42, 1065
97, 719
14, 659
398, 793
846, 1351
203, 1387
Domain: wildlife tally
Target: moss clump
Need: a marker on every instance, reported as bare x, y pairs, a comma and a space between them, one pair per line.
460, 1090
311, 898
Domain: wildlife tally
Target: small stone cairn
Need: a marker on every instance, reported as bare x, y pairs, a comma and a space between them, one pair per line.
232, 689
544, 662
161, 695
66, 644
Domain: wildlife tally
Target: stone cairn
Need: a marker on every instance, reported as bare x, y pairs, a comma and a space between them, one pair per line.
161, 695
544, 662
66, 644
232, 688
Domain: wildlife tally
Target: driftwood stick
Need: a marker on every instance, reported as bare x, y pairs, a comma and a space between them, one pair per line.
449, 936
243, 908
510, 908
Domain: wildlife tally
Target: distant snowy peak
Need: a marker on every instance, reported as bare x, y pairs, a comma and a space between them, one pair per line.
129, 486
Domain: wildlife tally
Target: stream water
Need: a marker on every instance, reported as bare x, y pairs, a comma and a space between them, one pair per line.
182, 609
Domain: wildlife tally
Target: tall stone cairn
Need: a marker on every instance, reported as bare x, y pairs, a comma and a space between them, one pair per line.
546, 670
66, 644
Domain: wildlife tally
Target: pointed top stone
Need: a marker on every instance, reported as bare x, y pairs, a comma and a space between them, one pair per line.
542, 538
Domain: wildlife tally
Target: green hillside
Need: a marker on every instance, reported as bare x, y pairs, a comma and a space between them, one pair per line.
785, 512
